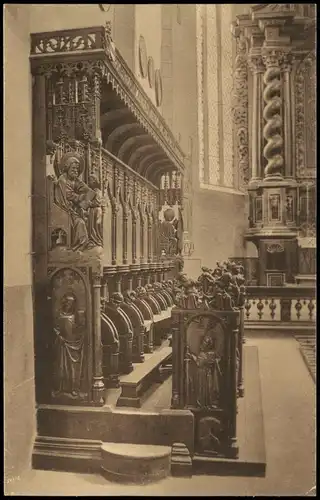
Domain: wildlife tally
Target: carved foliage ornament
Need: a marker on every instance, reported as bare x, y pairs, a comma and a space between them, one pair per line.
240, 110
305, 92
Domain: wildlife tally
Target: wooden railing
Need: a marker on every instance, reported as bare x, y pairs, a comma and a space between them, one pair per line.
276, 305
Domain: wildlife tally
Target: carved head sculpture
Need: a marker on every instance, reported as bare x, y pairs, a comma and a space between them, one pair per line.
141, 291
157, 286
133, 295
182, 278
116, 299
217, 272
127, 296
149, 287
68, 303
207, 344
168, 215
234, 268
169, 283
72, 167
190, 286
241, 270
206, 269
103, 301
94, 182
225, 279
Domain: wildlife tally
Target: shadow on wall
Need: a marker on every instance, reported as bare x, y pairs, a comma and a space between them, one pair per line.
219, 222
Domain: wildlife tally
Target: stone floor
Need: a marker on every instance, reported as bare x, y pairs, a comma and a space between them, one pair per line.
288, 394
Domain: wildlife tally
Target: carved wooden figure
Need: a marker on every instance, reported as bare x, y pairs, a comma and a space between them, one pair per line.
68, 346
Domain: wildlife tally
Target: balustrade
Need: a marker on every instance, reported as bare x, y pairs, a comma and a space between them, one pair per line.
293, 304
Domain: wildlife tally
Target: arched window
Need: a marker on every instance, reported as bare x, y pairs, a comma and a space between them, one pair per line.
215, 89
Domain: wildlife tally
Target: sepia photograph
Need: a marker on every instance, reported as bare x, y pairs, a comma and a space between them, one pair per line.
159, 249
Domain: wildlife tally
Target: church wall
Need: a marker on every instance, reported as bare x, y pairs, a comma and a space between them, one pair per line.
219, 222
220, 210
148, 26
20, 413
179, 107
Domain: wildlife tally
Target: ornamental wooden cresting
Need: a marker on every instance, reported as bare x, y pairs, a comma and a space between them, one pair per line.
100, 151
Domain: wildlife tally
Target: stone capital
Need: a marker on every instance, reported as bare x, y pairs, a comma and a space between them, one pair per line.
286, 61
256, 63
272, 57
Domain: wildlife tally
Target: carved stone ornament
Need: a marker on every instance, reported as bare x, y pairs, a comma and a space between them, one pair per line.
151, 72
143, 57
240, 111
158, 87
305, 109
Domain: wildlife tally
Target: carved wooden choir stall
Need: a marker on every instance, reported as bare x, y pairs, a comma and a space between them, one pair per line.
113, 309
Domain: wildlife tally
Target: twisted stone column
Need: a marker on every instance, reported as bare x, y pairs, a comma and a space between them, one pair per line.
273, 129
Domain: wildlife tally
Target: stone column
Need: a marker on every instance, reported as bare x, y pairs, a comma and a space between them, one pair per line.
272, 113
286, 66
257, 68
98, 384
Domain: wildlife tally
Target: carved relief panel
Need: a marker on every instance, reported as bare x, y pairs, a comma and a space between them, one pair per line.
305, 109
70, 335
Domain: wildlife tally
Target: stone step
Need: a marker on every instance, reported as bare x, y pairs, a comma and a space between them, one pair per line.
135, 463
307, 345
135, 384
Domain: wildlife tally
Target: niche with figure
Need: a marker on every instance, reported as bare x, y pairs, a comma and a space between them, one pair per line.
205, 381
69, 339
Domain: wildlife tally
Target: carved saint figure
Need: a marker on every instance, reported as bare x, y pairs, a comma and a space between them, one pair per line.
205, 375
75, 197
95, 214
274, 206
69, 348
168, 234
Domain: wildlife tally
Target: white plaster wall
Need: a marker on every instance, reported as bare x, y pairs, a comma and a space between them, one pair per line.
51, 17
17, 147
19, 397
148, 24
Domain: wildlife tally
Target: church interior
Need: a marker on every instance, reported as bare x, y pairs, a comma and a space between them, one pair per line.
159, 249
